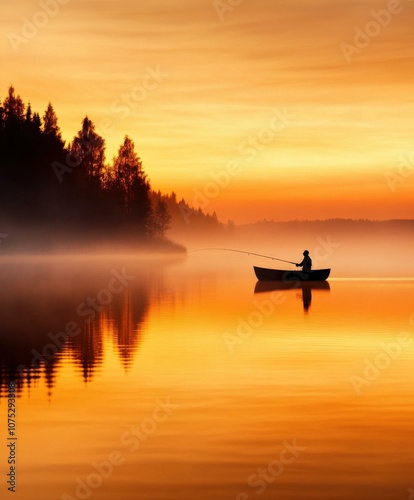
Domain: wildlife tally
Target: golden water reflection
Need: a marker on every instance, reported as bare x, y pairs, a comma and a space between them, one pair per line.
188, 385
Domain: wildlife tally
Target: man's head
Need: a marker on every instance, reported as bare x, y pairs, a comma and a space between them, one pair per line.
306, 253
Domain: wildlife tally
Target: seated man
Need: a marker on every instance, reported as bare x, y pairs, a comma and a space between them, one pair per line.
306, 263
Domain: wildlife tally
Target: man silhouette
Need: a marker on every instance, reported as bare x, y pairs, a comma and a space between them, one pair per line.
306, 263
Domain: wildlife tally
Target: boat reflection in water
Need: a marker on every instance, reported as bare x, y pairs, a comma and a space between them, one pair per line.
305, 287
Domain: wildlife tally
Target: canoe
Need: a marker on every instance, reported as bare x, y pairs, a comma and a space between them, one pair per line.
264, 274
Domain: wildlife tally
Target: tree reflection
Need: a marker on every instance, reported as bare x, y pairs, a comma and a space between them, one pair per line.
33, 343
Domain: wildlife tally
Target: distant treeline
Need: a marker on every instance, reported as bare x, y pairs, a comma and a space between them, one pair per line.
69, 191
333, 224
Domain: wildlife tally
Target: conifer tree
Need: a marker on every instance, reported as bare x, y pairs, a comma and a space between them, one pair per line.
88, 150
132, 181
50, 124
161, 219
13, 107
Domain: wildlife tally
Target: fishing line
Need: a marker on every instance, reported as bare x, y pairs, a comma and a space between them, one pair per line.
241, 251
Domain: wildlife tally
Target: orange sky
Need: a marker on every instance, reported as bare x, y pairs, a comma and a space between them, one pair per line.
263, 90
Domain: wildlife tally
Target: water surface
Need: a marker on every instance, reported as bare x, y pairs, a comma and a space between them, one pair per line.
187, 382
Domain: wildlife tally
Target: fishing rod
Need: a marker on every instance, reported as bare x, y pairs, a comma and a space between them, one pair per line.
247, 253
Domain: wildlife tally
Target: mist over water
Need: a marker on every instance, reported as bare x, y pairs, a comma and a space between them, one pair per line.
349, 248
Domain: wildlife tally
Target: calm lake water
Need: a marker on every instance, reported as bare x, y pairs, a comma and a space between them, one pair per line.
179, 380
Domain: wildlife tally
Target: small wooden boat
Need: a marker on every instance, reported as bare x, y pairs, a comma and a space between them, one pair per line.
264, 274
